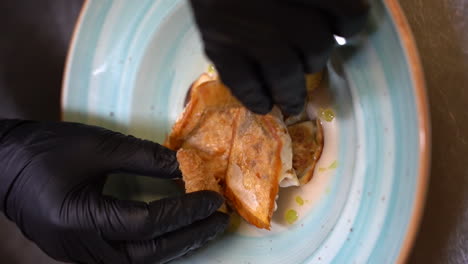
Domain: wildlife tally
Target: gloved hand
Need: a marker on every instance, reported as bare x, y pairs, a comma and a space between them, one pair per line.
52, 176
262, 48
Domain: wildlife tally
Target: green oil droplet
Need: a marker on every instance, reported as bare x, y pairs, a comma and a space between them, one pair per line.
327, 114
211, 69
299, 200
328, 190
332, 166
291, 216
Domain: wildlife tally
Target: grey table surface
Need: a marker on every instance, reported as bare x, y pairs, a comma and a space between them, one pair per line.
34, 37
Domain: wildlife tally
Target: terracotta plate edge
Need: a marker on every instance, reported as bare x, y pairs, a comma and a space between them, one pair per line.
422, 106
68, 60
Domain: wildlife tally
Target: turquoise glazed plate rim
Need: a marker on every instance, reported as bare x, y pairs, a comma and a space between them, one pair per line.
123, 52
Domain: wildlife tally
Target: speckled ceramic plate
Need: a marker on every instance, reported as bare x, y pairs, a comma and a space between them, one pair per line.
129, 68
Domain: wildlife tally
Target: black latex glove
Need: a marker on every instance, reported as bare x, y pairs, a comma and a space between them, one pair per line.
51, 181
262, 48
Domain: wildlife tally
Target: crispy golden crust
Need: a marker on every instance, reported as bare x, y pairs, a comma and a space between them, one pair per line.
307, 141
212, 139
194, 172
254, 167
225, 148
208, 95
236, 202
196, 176
204, 136
276, 166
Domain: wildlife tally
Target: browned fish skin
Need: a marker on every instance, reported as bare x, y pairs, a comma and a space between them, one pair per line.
204, 133
196, 177
209, 95
225, 148
307, 142
254, 168
204, 138
213, 140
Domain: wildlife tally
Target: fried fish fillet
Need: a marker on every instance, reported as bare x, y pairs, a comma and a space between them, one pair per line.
223, 147
205, 97
204, 135
255, 166
197, 175
307, 143
219, 141
195, 172
306, 135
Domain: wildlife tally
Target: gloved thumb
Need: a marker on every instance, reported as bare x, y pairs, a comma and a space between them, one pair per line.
178, 243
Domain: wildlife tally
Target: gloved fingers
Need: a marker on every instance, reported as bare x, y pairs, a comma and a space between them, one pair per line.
308, 32
283, 73
131, 220
349, 26
239, 73
178, 243
349, 17
86, 247
315, 61
134, 155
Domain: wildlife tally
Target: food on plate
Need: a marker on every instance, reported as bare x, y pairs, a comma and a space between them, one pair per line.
260, 158
307, 145
291, 216
332, 166
327, 114
223, 147
299, 200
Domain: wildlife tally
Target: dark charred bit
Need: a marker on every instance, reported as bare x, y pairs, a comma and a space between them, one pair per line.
187, 96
